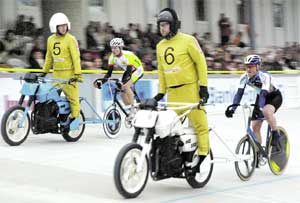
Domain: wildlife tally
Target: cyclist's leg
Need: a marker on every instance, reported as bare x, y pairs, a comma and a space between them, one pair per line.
257, 118
127, 94
256, 126
273, 102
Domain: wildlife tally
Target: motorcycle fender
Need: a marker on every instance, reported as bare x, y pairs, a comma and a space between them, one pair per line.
145, 119
29, 88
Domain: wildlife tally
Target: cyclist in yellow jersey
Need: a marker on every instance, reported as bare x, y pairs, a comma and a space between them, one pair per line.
182, 73
132, 66
64, 57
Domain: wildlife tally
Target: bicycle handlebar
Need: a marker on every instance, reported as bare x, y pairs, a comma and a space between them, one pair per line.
244, 106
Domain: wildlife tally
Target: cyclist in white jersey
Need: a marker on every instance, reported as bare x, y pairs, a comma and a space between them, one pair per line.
268, 99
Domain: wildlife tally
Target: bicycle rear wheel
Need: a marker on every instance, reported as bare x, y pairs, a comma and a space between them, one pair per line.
278, 160
246, 167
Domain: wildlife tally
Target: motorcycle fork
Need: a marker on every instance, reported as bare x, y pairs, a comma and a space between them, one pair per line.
27, 108
146, 147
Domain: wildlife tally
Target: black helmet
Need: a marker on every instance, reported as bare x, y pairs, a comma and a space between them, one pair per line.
170, 16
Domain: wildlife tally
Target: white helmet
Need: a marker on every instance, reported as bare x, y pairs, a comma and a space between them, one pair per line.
116, 42
58, 19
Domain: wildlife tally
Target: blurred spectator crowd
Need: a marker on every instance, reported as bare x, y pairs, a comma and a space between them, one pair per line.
24, 46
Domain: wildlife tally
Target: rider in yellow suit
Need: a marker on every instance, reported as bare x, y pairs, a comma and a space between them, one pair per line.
63, 55
182, 72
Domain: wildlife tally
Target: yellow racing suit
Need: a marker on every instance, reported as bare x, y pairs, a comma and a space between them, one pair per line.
63, 55
181, 70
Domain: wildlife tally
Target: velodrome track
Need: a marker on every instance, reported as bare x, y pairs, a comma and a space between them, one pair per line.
47, 169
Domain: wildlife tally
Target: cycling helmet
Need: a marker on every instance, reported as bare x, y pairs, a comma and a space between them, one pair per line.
252, 60
58, 19
116, 42
169, 15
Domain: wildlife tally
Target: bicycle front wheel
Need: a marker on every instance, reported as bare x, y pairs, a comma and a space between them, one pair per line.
245, 150
113, 122
278, 160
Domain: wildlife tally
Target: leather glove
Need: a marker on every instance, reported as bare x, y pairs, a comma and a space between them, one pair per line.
148, 104
98, 83
229, 113
159, 96
72, 80
204, 95
79, 78
41, 75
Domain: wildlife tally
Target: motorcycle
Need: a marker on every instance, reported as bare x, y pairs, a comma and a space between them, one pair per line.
49, 113
162, 147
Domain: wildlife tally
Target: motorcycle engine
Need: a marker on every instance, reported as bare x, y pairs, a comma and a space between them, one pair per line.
44, 118
168, 159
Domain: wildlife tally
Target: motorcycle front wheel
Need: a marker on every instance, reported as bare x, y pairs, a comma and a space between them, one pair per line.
12, 133
130, 181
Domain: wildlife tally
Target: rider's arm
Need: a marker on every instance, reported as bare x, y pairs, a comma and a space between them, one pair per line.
262, 98
198, 58
265, 85
111, 63
160, 72
48, 60
109, 72
238, 97
127, 74
240, 91
75, 55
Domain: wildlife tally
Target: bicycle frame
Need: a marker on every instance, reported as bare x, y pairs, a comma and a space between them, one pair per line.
117, 90
250, 133
97, 120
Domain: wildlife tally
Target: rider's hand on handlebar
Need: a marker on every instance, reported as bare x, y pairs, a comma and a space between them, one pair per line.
203, 93
42, 75
98, 83
229, 112
72, 80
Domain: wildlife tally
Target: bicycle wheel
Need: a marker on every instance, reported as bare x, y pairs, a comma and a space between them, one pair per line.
75, 135
11, 132
279, 160
112, 129
245, 150
128, 181
203, 175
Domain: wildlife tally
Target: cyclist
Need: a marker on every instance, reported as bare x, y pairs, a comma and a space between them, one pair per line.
268, 99
63, 55
133, 71
182, 73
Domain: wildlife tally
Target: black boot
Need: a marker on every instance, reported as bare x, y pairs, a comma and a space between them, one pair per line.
196, 169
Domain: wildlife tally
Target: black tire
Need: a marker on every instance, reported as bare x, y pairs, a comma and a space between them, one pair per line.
122, 163
112, 130
75, 135
278, 161
203, 176
9, 128
245, 169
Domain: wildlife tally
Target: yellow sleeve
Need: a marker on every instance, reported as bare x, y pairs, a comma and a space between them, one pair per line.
48, 60
161, 74
198, 57
75, 54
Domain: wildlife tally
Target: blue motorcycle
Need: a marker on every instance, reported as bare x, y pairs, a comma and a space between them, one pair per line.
49, 113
